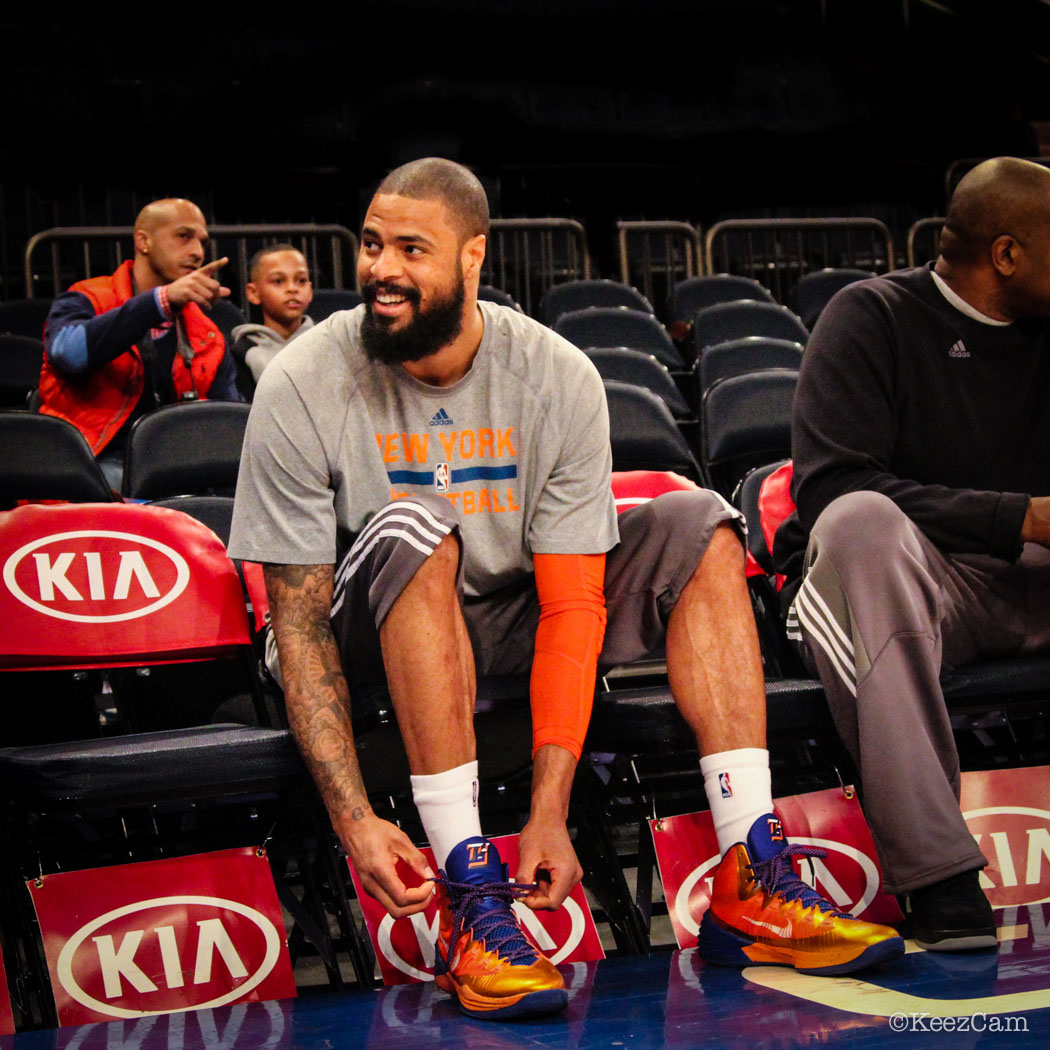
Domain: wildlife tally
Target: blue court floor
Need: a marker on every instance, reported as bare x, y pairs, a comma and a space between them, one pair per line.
668, 999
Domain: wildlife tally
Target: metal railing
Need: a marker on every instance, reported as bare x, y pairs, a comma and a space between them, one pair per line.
78, 252
924, 239
655, 256
776, 252
526, 256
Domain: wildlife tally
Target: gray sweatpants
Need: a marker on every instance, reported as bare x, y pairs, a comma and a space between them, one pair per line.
881, 613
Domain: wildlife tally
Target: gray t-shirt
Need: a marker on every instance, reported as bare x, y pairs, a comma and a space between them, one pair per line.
520, 447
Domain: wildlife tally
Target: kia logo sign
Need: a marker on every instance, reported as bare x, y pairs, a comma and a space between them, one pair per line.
557, 939
96, 576
1016, 842
168, 954
693, 895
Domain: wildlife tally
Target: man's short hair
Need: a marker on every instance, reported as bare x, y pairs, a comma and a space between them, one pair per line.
457, 187
270, 249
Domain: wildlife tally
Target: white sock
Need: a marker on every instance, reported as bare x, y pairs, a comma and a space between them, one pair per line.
448, 807
738, 791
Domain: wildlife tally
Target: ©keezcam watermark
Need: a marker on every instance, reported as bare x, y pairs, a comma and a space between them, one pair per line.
924, 1022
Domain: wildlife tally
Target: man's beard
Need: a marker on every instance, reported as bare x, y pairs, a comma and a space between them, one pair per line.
425, 334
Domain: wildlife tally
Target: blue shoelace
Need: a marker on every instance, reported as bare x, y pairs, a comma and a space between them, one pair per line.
777, 875
497, 927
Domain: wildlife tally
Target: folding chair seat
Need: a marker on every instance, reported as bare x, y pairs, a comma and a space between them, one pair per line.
561, 299
739, 356
617, 326
327, 301
638, 368
46, 458
815, 289
497, 295
129, 589
643, 433
725, 321
694, 293
20, 360
745, 421
187, 449
24, 317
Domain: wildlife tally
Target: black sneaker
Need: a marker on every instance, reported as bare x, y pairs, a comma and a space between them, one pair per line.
952, 915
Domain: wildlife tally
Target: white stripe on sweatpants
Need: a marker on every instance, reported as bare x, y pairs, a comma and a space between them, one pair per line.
812, 613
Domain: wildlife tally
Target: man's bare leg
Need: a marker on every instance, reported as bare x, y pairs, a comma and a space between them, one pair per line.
430, 672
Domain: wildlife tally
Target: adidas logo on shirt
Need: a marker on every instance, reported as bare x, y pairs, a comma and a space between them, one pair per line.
958, 350
443, 419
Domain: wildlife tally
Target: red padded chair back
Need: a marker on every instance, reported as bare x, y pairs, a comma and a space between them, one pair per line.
112, 585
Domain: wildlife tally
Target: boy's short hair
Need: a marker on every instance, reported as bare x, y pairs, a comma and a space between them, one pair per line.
270, 249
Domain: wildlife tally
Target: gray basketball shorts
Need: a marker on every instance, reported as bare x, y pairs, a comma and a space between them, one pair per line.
661, 544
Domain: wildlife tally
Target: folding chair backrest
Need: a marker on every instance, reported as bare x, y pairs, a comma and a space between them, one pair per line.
643, 432
617, 326
190, 449
694, 293
46, 458
739, 356
497, 295
816, 288
327, 301
746, 421
725, 321
640, 369
580, 295
114, 585
20, 360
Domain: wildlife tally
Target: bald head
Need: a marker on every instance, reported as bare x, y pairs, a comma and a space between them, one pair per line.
171, 240
168, 210
434, 178
1001, 196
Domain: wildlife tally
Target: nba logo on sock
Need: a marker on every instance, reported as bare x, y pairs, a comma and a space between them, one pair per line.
442, 475
723, 783
477, 854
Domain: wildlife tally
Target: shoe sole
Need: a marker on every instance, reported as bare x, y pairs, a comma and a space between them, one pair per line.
723, 947
508, 1008
962, 942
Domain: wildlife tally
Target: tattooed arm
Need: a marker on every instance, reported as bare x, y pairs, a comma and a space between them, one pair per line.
318, 705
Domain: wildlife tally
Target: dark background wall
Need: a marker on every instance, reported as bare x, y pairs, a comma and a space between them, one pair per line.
586, 109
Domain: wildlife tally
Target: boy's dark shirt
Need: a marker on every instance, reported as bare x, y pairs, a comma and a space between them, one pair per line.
901, 393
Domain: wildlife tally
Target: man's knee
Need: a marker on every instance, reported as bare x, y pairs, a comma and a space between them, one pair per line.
867, 523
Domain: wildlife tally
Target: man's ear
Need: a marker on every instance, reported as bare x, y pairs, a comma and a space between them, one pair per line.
473, 255
141, 239
252, 293
1005, 251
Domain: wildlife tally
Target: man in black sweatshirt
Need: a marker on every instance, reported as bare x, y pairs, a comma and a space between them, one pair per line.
921, 441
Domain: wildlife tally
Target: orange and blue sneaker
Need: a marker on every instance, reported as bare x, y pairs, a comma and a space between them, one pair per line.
483, 956
762, 912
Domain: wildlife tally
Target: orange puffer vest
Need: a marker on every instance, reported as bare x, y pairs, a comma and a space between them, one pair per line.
98, 404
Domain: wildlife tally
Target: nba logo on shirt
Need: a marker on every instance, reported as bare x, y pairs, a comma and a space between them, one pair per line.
723, 783
442, 476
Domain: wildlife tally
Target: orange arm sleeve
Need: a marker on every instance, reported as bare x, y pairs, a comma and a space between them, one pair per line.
571, 590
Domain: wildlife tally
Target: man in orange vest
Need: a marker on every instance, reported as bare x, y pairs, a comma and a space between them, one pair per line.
117, 346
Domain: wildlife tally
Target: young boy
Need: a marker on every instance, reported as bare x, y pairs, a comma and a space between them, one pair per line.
280, 284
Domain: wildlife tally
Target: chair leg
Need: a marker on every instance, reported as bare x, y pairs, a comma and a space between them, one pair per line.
600, 860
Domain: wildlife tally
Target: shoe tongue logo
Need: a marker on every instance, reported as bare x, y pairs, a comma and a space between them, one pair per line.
477, 854
776, 832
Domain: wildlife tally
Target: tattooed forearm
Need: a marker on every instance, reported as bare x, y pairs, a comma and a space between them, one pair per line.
315, 688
